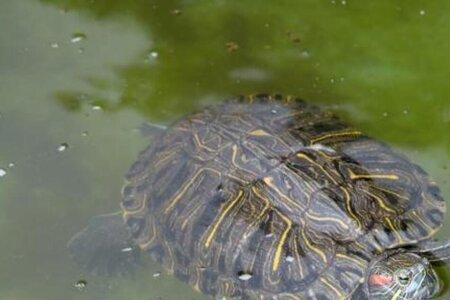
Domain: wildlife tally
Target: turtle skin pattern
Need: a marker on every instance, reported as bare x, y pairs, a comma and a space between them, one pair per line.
264, 197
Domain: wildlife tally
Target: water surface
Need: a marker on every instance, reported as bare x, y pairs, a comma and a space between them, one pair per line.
77, 78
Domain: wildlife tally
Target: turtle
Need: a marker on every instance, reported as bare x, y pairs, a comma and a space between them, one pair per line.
272, 197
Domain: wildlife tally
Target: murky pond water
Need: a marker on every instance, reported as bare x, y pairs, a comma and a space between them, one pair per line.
77, 79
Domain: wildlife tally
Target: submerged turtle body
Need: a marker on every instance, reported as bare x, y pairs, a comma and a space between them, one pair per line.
270, 198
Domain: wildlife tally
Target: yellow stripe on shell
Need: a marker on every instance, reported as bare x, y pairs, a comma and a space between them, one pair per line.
304, 156
331, 135
278, 251
315, 249
333, 288
269, 182
222, 215
372, 176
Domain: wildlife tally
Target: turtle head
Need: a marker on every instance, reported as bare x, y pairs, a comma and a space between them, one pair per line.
402, 276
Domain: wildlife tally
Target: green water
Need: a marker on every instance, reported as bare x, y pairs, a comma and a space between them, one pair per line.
88, 73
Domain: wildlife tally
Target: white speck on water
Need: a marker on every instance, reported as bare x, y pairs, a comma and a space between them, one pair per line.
62, 147
305, 54
153, 54
77, 37
422, 12
333, 2
97, 108
245, 276
156, 275
274, 111
11, 165
289, 258
127, 249
385, 114
344, 2
85, 133
405, 111
54, 45
342, 79
332, 80
2, 172
80, 284
249, 74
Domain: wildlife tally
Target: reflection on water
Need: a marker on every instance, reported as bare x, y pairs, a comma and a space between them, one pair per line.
85, 74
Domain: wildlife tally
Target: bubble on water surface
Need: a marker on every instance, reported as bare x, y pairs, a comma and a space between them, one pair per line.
97, 108
2, 172
77, 37
54, 45
11, 165
422, 12
127, 249
62, 147
153, 54
156, 275
85, 133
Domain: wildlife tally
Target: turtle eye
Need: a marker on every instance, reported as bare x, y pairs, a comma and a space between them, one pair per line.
403, 277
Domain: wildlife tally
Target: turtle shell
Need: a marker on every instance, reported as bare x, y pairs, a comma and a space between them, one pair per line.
269, 198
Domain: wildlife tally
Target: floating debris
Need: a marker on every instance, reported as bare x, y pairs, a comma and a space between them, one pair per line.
80, 284
153, 54
54, 45
156, 275
127, 249
11, 165
293, 37
305, 54
97, 108
77, 37
232, 46
2, 172
175, 12
62, 147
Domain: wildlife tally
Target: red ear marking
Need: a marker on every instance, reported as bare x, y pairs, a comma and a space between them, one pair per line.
377, 279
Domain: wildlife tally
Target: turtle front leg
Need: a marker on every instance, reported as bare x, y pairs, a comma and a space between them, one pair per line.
105, 247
